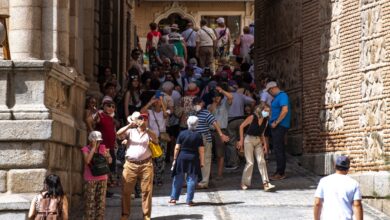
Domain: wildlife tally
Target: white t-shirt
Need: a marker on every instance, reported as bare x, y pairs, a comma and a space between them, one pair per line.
338, 192
222, 35
138, 143
266, 97
160, 121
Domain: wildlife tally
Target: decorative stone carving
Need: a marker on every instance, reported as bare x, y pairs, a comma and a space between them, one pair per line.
373, 146
177, 8
58, 94
373, 52
332, 92
372, 114
368, 2
331, 63
330, 9
372, 84
331, 120
372, 21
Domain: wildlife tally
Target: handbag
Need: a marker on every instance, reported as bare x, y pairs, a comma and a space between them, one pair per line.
164, 136
155, 149
98, 164
237, 49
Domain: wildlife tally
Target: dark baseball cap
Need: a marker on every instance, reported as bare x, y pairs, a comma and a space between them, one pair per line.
343, 161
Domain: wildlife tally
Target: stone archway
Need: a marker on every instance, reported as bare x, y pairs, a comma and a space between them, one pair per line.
175, 8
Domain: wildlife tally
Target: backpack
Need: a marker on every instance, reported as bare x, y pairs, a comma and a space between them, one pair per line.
49, 209
155, 40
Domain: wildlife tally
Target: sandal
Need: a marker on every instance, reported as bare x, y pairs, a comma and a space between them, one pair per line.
191, 203
172, 202
244, 187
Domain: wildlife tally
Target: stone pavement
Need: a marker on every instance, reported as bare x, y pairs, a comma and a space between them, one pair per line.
225, 200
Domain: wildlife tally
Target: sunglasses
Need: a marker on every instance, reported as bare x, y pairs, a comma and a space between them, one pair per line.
110, 105
133, 77
142, 118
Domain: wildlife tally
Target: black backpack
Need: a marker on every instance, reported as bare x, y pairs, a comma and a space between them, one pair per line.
98, 164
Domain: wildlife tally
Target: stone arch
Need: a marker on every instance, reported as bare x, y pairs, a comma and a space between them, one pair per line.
178, 11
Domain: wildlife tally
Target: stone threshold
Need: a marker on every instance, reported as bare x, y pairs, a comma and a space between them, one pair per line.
16, 202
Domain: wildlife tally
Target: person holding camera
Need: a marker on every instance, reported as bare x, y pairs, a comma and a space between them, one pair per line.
158, 115
222, 100
188, 160
138, 165
95, 187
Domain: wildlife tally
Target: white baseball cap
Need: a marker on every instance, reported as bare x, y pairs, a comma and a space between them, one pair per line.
269, 85
221, 20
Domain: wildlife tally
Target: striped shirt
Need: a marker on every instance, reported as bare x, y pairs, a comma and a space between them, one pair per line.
205, 120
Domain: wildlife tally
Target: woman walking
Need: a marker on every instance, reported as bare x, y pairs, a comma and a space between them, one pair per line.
188, 160
51, 202
255, 143
95, 187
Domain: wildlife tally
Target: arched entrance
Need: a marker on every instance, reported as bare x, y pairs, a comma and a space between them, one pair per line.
174, 18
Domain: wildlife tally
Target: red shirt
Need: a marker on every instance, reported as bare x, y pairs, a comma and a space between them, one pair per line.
151, 35
106, 126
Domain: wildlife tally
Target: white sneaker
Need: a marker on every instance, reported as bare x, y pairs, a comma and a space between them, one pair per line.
268, 187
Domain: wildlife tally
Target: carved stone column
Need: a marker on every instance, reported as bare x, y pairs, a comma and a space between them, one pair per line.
25, 29
55, 30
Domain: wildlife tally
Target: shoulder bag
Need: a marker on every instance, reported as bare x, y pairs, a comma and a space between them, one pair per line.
98, 164
155, 149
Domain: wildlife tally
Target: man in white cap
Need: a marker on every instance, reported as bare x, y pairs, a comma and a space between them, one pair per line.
280, 123
205, 45
223, 38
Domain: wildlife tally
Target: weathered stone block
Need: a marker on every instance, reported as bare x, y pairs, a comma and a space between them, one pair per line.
77, 158
3, 181
386, 206
22, 155
25, 130
13, 215
366, 182
321, 163
65, 180
382, 184
25, 181
18, 3
20, 201
77, 183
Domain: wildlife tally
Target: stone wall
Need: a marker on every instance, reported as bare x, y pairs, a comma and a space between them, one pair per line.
332, 57
42, 131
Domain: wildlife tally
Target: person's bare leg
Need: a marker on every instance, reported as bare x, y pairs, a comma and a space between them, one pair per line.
220, 161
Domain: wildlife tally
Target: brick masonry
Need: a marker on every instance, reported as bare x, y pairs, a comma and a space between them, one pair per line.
332, 57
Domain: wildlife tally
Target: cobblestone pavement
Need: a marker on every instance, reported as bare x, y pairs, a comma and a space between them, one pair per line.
225, 200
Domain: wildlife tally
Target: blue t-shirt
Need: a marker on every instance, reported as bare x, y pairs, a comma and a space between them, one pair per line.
276, 108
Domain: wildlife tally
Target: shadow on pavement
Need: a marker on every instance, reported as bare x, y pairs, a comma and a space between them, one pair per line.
217, 203
169, 217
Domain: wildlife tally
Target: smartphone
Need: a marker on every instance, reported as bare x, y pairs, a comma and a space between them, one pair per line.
158, 94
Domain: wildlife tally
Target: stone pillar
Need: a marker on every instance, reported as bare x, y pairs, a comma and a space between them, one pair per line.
55, 30
25, 29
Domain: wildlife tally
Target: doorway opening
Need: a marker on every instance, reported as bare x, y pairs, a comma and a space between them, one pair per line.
174, 18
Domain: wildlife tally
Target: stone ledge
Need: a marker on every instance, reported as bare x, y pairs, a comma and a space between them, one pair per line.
25, 180
22, 155
374, 184
20, 201
25, 130
320, 163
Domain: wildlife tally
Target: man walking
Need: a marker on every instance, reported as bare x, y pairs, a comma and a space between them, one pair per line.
205, 44
280, 123
338, 196
189, 36
206, 119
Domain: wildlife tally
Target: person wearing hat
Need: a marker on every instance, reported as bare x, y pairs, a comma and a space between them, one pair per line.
338, 196
105, 123
280, 123
95, 187
189, 36
139, 164
244, 41
223, 38
186, 104
206, 120
166, 50
178, 41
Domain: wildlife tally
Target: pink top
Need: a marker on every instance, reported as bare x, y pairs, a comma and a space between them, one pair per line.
138, 143
87, 171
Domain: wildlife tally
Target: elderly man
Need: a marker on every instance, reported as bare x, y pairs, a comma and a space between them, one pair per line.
206, 119
280, 123
223, 38
338, 196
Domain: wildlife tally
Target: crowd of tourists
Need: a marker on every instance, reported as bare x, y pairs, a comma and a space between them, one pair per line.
197, 103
